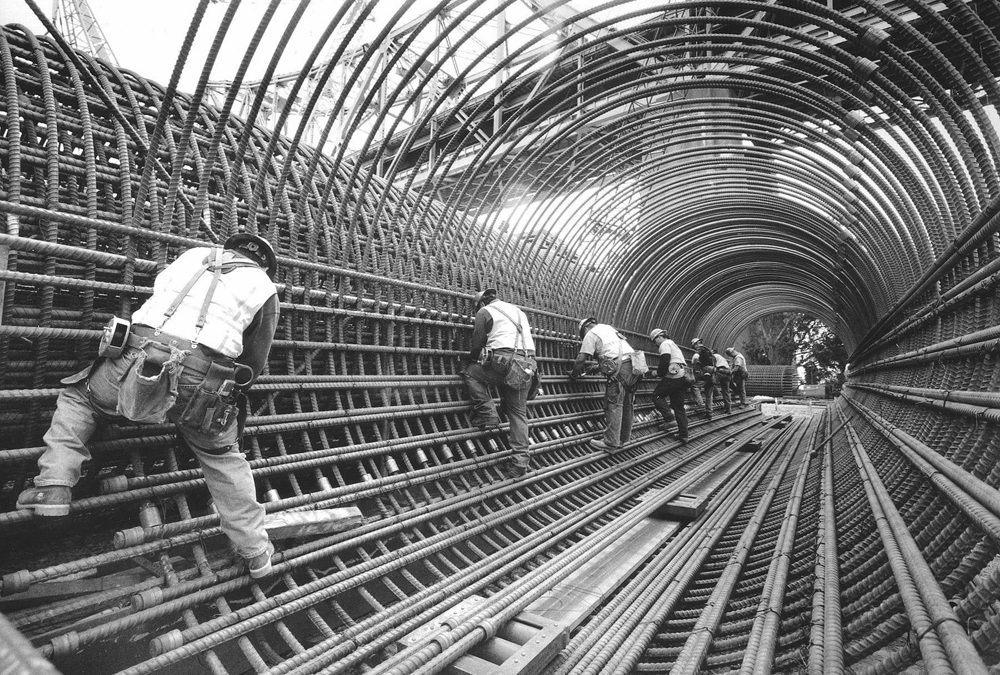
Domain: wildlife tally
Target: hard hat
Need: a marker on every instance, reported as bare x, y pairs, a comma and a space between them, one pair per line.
730, 351
657, 332
586, 322
695, 341
256, 248
483, 293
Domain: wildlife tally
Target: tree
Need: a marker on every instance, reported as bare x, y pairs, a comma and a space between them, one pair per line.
827, 356
793, 338
770, 341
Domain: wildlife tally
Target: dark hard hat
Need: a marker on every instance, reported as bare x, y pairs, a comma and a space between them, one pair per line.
256, 248
586, 322
657, 332
481, 295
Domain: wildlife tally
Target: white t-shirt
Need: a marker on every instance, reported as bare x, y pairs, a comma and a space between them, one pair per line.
603, 341
668, 346
676, 358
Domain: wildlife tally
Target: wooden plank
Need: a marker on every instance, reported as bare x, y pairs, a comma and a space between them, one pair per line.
52, 590
580, 594
288, 524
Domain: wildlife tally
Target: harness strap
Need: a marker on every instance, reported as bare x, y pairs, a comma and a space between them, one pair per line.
203, 313
517, 325
210, 263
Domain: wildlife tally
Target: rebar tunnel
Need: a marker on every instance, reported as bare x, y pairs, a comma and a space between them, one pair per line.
691, 165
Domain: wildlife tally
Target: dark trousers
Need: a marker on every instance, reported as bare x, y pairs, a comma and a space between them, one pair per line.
672, 389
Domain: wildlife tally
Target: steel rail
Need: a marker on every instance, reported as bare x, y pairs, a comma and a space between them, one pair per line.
624, 635
943, 640
974, 496
438, 650
676, 487
826, 636
203, 637
759, 653
696, 646
159, 604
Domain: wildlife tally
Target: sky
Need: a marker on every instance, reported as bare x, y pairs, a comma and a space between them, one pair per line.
146, 35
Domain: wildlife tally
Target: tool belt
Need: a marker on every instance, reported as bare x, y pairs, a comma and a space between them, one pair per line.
140, 334
151, 384
518, 368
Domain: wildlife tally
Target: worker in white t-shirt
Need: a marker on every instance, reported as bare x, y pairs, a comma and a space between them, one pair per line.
613, 354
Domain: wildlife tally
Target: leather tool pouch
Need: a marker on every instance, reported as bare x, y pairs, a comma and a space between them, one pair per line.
208, 412
213, 406
148, 389
609, 367
520, 372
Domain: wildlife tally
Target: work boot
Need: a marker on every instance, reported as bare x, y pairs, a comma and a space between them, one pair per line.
259, 566
599, 444
486, 422
514, 470
46, 500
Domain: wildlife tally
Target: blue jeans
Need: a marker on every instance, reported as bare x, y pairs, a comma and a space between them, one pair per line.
724, 381
739, 385
478, 380
88, 402
619, 400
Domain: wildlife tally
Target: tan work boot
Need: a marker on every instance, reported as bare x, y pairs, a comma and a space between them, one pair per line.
47, 500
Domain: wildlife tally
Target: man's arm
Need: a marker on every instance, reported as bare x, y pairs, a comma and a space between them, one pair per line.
663, 365
258, 336
580, 365
480, 333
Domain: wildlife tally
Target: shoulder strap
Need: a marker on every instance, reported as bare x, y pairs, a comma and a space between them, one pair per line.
212, 263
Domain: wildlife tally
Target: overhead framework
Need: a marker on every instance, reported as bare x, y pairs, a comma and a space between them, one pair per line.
844, 146
690, 165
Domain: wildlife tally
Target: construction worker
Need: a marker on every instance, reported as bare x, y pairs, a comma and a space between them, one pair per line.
672, 384
191, 351
501, 341
711, 368
738, 365
696, 386
723, 380
614, 357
